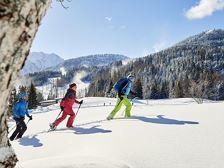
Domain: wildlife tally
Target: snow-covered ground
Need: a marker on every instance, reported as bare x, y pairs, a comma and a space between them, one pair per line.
174, 133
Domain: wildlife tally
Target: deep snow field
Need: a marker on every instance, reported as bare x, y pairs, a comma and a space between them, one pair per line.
171, 133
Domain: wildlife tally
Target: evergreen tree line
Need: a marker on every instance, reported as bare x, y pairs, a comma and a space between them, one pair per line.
181, 71
41, 78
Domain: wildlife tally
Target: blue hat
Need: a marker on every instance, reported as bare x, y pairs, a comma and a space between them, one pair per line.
22, 94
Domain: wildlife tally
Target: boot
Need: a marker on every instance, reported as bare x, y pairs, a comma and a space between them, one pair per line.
109, 117
52, 126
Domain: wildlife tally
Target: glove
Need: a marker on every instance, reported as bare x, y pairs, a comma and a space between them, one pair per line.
62, 108
30, 117
81, 102
133, 93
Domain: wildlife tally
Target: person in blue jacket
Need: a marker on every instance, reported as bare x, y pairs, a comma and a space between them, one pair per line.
123, 91
20, 109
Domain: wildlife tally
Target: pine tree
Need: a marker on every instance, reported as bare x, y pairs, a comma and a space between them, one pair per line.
221, 91
178, 90
39, 97
32, 97
164, 91
186, 87
110, 90
137, 87
154, 92
22, 88
110, 86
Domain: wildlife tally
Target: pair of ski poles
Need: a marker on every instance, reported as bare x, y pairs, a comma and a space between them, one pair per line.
62, 110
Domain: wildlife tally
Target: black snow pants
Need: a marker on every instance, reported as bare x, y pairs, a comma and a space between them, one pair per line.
20, 129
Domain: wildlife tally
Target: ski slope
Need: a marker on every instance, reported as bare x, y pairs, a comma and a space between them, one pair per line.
172, 133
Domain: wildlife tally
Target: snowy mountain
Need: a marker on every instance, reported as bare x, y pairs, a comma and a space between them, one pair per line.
214, 38
70, 69
191, 68
39, 61
89, 61
174, 133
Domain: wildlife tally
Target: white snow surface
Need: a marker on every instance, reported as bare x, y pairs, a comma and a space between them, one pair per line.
172, 133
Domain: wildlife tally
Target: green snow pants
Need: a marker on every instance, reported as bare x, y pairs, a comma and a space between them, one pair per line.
119, 103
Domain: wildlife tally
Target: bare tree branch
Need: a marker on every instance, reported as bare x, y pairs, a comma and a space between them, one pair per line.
62, 3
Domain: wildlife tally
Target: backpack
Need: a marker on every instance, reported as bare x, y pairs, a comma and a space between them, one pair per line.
119, 83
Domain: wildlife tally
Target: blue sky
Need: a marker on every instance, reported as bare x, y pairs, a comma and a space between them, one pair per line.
133, 28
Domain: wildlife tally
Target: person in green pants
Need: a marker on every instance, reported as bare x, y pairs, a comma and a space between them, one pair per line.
123, 88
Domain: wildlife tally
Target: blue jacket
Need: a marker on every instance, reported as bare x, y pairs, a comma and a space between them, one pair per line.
126, 88
20, 109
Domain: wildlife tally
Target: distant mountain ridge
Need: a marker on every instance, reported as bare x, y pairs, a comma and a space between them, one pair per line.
39, 61
68, 69
98, 60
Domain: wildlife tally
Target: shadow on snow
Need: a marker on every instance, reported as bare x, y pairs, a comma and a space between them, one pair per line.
82, 130
30, 141
91, 130
162, 120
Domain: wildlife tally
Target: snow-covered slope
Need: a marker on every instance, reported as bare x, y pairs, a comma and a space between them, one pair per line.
175, 133
208, 38
38, 61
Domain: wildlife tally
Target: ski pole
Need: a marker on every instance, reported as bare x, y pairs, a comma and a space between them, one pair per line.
78, 110
17, 124
58, 115
28, 121
13, 128
55, 120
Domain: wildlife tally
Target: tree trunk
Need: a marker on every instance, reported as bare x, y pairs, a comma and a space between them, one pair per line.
19, 21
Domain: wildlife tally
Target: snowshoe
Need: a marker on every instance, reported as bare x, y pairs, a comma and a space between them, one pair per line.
109, 117
52, 126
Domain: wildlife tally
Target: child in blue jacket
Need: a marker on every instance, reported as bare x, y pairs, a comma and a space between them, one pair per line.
20, 109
